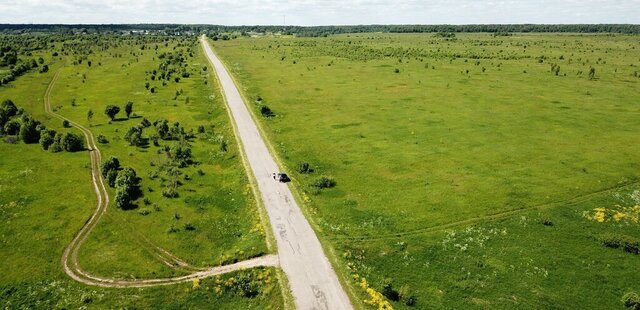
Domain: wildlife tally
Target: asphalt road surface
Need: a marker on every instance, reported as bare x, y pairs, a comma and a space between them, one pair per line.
313, 281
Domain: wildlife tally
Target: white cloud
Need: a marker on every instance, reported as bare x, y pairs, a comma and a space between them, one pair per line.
319, 12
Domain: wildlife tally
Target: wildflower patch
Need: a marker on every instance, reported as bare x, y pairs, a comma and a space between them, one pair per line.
616, 214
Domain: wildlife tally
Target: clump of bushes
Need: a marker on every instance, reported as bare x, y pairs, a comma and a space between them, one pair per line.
626, 243
324, 182
631, 300
266, 111
102, 139
304, 167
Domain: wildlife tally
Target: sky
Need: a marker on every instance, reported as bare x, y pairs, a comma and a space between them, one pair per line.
320, 12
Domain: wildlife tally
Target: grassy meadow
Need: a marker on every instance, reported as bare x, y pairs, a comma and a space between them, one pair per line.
471, 171
45, 197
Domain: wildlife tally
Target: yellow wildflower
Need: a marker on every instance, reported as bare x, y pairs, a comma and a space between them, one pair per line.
619, 216
196, 283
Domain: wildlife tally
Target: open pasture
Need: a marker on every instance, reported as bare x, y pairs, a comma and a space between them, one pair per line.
468, 168
199, 208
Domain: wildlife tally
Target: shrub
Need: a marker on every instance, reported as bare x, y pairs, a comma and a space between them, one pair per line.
145, 123
189, 227
390, 293
266, 111
134, 136
110, 164
56, 146
29, 132
631, 300
9, 108
102, 139
12, 127
616, 241
111, 111
128, 108
324, 182
46, 138
111, 177
304, 167
170, 192
66, 124
72, 142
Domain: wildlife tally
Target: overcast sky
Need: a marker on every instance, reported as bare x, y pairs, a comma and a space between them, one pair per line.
320, 12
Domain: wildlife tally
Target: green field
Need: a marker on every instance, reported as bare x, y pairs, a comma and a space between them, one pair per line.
467, 169
46, 197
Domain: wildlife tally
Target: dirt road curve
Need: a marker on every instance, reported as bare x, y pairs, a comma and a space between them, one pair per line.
70, 255
313, 281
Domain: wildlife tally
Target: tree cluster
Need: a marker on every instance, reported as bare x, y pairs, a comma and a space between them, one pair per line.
14, 122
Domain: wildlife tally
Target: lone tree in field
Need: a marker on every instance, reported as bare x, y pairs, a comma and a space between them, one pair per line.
128, 108
592, 73
111, 111
89, 115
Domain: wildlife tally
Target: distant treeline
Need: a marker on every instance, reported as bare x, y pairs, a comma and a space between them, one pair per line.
314, 31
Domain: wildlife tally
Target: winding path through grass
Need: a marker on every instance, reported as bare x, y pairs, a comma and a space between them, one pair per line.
70, 256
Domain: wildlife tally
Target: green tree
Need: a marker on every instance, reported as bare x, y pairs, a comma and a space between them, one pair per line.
111, 164
46, 138
111, 111
134, 136
89, 115
29, 132
9, 108
592, 73
12, 127
128, 108
72, 142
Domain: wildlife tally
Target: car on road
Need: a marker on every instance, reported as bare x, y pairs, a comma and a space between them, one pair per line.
281, 177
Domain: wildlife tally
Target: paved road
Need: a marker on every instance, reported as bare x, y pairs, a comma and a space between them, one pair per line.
313, 281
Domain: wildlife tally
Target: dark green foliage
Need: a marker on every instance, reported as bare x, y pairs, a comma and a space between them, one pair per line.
134, 136
46, 138
9, 108
189, 227
266, 111
162, 129
66, 124
200, 129
89, 115
56, 146
324, 182
29, 132
145, 123
389, 292
128, 108
72, 142
126, 185
181, 154
44, 68
411, 301
111, 177
631, 300
304, 167
592, 73
102, 139
12, 127
111, 111
110, 164
626, 243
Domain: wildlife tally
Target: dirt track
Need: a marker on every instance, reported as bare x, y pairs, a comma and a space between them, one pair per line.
70, 254
313, 281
